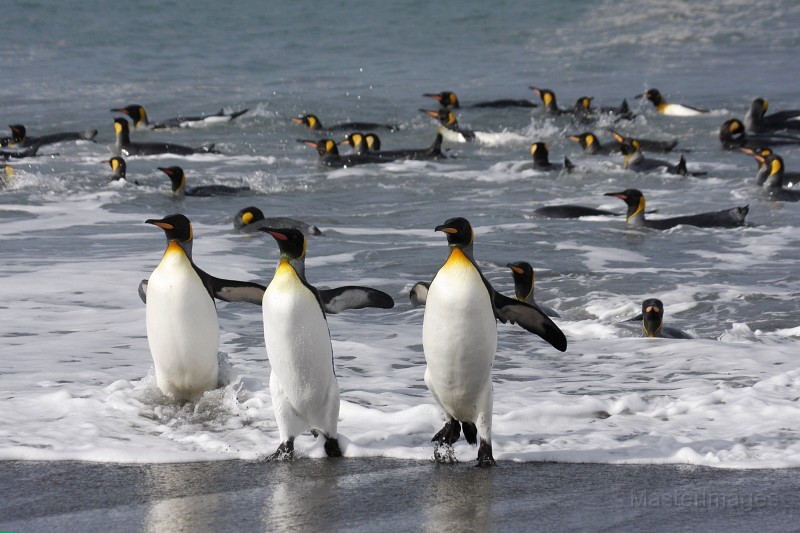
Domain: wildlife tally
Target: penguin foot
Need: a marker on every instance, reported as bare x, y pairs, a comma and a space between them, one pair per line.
444, 453
332, 447
485, 458
449, 433
470, 432
285, 452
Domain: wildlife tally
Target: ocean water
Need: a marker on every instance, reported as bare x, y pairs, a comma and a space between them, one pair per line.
76, 376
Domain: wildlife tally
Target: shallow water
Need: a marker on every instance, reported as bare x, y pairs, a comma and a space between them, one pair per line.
76, 374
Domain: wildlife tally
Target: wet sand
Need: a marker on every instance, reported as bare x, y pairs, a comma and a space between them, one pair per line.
392, 495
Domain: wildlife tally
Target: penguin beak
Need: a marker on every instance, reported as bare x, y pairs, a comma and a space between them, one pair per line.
166, 171
297, 120
434, 114
275, 233
748, 151
120, 110
514, 269
622, 196
438, 97
574, 138
160, 223
640, 95
446, 229
619, 138
307, 142
760, 158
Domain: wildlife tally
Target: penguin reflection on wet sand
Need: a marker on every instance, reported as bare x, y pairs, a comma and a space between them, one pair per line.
125, 147
634, 199
652, 319
305, 393
459, 338
177, 179
140, 120
182, 324
251, 219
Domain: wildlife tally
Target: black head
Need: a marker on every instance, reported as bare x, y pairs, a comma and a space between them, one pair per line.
629, 146
583, 103
177, 227
633, 198
246, 216
311, 121
322, 146
176, 176
759, 107
522, 272
444, 116
135, 111
373, 142
445, 98
356, 141
540, 153
459, 232
548, 97
732, 132
652, 317
586, 139
121, 127
118, 168
654, 95
18, 133
291, 241
774, 163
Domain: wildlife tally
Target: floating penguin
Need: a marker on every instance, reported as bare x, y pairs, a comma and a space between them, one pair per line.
119, 169
178, 180
757, 121
634, 199
647, 145
313, 123
182, 324
30, 151
635, 160
251, 219
19, 137
305, 393
329, 155
449, 99
585, 112
733, 136
665, 108
371, 143
652, 318
125, 147
549, 102
541, 159
459, 338
774, 183
789, 178
140, 120
449, 127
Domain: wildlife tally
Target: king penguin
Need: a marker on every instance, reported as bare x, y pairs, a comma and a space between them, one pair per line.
182, 325
305, 393
459, 338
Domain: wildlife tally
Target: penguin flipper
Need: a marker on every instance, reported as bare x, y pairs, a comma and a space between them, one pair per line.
229, 290
352, 297
637, 318
143, 290
530, 318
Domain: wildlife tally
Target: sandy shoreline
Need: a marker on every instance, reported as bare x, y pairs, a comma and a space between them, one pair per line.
391, 495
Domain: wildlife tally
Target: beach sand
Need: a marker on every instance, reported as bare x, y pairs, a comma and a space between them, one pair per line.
392, 495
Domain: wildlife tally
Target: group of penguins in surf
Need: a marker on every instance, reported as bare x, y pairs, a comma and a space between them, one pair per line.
461, 307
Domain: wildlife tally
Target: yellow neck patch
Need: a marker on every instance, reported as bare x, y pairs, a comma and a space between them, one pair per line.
547, 98
247, 217
589, 140
639, 209
775, 167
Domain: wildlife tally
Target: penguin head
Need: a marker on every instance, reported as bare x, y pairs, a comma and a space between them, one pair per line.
356, 141
633, 198
445, 98
654, 95
629, 146
540, 153
652, 317
18, 133
760, 153
136, 112
459, 232
584, 103
292, 244
774, 163
373, 142
176, 176
759, 107
121, 129
246, 216
311, 121
522, 272
445, 117
548, 97
118, 168
586, 139
323, 146
732, 132
178, 230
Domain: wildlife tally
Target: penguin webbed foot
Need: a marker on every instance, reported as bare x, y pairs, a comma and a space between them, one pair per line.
332, 448
285, 452
485, 458
449, 434
470, 432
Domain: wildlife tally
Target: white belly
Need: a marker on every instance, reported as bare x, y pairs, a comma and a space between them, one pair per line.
677, 110
459, 337
182, 328
298, 343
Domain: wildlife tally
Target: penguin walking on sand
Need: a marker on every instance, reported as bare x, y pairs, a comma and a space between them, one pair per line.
305, 393
182, 324
459, 338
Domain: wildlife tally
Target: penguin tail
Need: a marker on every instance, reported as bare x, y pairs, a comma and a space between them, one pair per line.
681, 168
569, 166
89, 135
236, 114
208, 149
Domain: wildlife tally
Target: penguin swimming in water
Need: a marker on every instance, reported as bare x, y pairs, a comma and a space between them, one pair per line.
459, 338
19, 137
30, 151
449, 127
371, 143
125, 147
774, 183
652, 319
541, 159
449, 99
571, 211
592, 146
634, 199
635, 160
178, 180
790, 179
584, 111
522, 273
313, 123
733, 136
329, 155
119, 169
140, 120
182, 324
305, 393
647, 145
549, 102
665, 108
756, 119
251, 219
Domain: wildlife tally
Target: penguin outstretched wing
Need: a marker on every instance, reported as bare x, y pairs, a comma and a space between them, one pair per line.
528, 317
353, 297
227, 290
